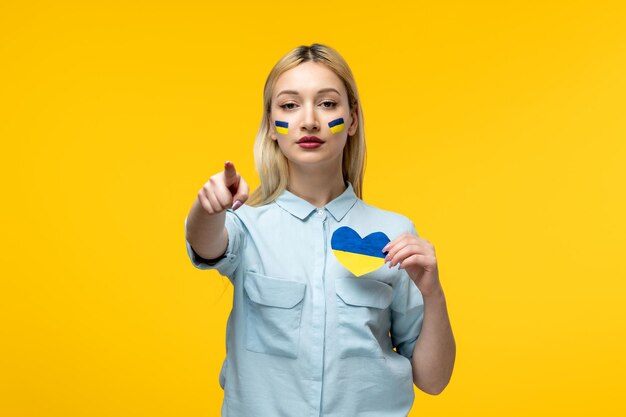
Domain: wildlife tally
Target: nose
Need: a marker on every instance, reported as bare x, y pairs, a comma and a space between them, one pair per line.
309, 119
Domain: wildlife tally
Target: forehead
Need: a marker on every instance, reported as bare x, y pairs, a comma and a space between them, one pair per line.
309, 77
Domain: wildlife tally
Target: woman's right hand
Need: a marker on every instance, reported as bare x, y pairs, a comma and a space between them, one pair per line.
222, 190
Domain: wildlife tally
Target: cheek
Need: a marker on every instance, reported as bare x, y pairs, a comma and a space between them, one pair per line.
280, 121
281, 126
284, 123
337, 125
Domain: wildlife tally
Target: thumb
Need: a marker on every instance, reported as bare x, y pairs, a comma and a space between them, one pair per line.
242, 194
231, 179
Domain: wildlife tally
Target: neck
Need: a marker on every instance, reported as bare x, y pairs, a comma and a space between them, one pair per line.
317, 185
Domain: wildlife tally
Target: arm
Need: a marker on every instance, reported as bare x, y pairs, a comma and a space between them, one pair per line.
435, 349
434, 352
206, 232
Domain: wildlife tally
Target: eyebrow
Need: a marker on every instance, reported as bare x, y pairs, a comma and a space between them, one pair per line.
323, 90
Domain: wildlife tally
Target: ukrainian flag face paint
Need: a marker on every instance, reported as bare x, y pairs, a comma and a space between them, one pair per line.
281, 127
336, 125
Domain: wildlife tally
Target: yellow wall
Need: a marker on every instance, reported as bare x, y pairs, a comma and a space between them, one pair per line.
497, 127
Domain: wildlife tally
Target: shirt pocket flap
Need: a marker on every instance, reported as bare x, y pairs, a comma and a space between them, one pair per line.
364, 292
272, 291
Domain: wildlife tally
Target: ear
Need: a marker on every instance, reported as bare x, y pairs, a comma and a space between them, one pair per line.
273, 136
355, 121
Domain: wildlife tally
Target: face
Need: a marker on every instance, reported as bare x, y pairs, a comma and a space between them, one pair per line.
310, 100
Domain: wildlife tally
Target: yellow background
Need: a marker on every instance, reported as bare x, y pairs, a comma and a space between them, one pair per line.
497, 127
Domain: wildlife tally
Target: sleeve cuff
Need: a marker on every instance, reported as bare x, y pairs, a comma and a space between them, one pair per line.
407, 315
227, 263
197, 259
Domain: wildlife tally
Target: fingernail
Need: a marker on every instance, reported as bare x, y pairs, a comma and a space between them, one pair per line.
236, 205
385, 248
387, 258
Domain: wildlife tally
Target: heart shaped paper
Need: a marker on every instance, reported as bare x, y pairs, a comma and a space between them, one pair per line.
359, 255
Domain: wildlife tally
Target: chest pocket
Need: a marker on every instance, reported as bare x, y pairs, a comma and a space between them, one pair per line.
364, 319
274, 311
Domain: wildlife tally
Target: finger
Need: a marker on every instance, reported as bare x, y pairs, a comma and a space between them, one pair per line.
224, 195
424, 261
215, 202
204, 202
414, 260
394, 242
405, 252
242, 193
208, 202
398, 243
231, 179
392, 247
423, 246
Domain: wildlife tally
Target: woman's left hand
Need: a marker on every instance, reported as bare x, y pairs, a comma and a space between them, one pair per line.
416, 255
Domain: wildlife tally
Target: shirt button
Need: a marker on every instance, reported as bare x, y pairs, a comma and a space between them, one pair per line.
320, 212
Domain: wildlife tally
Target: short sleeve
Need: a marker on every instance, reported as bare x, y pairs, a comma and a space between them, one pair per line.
407, 313
227, 263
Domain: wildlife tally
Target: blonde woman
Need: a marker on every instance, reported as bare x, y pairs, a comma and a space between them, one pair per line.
338, 309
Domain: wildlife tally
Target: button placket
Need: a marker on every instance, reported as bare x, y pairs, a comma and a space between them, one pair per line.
318, 324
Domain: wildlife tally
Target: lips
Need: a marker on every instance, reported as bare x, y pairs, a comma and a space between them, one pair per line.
310, 139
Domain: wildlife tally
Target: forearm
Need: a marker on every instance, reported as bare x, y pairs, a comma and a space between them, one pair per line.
206, 232
435, 349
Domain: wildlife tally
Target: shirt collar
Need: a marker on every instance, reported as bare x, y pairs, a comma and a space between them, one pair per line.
301, 208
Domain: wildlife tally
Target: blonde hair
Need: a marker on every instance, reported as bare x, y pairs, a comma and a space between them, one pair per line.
270, 162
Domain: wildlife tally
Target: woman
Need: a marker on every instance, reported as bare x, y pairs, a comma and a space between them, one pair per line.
319, 325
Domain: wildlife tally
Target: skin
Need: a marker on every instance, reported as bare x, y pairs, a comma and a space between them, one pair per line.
316, 176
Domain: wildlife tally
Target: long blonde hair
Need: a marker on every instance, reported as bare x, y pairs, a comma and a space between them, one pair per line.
270, 162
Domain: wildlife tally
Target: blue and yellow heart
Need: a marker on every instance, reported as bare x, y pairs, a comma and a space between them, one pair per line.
359, 255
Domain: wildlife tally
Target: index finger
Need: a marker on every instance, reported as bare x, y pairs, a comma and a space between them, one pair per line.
391, 243
231, 179
229, 170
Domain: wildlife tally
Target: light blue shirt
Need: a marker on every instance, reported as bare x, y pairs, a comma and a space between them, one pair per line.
306, 337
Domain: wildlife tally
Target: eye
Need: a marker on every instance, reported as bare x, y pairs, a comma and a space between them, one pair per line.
329, 104
288, 106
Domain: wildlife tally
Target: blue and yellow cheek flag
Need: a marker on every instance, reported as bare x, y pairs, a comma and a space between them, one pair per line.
359, 255
281, 127
336, 125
